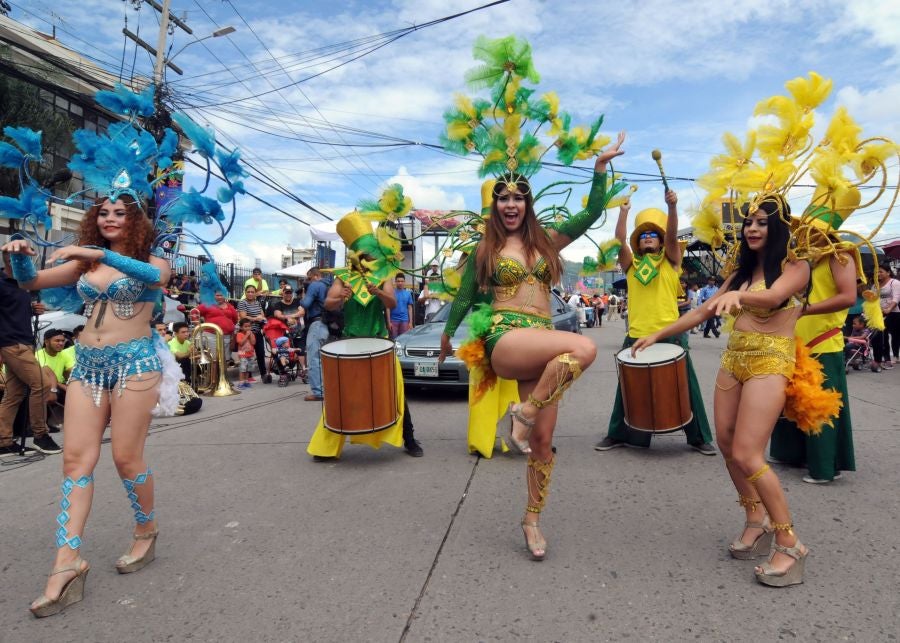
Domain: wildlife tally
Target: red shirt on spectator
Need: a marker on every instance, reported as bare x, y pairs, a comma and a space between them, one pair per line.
223, 317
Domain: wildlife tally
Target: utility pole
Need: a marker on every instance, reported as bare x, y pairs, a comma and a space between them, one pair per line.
161, 43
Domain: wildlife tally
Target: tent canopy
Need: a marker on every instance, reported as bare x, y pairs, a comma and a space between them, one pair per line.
297, 270
325, 231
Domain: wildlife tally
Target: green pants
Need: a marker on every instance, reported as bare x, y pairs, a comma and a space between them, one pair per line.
832, 450
696, 431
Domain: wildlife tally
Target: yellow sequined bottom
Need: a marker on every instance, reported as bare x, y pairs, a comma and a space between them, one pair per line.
751, 354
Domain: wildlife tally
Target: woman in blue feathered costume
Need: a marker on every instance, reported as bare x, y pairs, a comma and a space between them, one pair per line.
116, 379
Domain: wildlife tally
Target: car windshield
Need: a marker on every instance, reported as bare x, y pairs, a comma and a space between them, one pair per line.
441, 314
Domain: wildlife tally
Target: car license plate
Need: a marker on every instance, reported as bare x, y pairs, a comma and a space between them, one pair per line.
425, 370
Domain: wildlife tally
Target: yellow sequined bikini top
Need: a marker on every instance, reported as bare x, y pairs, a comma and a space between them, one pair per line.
764, 313
510, 272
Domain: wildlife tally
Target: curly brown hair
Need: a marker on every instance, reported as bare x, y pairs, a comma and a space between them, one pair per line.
138, 231
535, 239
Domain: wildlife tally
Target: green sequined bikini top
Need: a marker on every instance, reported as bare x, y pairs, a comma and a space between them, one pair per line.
509, 274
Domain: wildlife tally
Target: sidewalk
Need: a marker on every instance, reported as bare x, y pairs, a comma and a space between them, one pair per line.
259, 543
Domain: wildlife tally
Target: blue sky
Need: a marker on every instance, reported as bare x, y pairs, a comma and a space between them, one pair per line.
674, 75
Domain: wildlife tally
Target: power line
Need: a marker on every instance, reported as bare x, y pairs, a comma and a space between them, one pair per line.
400, 34
302, 93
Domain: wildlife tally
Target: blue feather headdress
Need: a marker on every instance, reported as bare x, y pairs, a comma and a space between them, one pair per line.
128, 160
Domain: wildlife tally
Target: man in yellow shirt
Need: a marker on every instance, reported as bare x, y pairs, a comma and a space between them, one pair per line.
180, 346
257, 281
652, 262
56, 363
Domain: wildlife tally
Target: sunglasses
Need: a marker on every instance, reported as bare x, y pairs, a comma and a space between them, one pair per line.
649, 235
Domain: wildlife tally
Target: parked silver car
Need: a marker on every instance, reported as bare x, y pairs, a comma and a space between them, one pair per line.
419, 348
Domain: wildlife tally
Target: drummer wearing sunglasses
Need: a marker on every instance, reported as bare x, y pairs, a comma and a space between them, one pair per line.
652, 257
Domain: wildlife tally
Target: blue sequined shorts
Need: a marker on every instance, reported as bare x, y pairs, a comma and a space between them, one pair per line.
107, 368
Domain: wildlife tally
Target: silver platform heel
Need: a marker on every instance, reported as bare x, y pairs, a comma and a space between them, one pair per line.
760, 547
71, 593
794, 574
128, 563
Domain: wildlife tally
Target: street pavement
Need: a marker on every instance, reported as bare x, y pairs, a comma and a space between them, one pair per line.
259, 543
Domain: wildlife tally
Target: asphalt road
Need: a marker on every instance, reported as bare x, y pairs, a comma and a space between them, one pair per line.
259, 543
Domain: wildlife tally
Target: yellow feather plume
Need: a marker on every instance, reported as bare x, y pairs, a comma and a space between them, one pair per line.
873, 155
809, 92
708, 224
464, 104
872, 310
608, 256
843, 132
553, 101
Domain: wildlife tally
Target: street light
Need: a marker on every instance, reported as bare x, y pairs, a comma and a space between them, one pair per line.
224, 31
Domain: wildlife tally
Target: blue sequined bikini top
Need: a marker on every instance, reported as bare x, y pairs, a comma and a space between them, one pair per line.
122, 293
511, 272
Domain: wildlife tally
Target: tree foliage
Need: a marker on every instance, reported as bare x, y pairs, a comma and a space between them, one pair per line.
21, 104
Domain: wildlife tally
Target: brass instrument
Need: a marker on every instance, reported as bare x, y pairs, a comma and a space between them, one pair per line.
201, 379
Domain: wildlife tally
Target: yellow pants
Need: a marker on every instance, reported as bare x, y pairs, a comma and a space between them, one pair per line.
330, 444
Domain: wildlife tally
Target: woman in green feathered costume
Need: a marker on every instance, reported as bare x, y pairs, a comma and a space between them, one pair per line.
516, 262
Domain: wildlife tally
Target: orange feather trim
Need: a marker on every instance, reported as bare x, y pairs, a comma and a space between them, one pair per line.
473, 355
808, 405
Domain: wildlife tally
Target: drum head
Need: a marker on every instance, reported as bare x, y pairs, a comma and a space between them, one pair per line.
358, 346
655, 354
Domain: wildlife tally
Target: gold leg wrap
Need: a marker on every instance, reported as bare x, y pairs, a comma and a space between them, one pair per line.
749, 503
759, 474
537, 476
570, 371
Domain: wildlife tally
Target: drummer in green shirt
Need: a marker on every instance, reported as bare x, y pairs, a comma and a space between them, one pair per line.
364, 297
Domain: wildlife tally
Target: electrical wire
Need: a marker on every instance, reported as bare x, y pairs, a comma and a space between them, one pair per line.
400, 34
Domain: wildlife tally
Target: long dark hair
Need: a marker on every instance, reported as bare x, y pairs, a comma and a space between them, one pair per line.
777, 238
534, 237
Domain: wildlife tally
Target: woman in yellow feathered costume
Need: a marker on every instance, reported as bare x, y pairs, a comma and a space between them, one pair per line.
752, 385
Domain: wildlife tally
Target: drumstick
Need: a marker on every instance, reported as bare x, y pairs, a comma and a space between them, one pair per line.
657, 156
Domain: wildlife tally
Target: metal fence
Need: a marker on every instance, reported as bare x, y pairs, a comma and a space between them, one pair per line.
231, 275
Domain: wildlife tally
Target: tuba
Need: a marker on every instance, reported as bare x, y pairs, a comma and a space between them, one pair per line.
201, 373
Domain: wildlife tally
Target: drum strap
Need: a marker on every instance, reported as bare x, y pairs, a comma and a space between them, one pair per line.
565, 369
537, 476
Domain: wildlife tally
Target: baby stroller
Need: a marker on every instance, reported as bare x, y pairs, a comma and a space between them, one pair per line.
284, 356
858, 350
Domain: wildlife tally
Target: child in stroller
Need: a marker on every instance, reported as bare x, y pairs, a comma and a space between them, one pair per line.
284, 356
857, 349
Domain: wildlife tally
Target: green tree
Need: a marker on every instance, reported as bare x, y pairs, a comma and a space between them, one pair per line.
21, 105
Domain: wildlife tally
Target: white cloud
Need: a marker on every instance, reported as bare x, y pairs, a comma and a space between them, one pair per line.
875, 109
427, 194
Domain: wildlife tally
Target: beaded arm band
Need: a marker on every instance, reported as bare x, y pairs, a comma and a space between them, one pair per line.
575, 226
464, 299
22, 268
140, 270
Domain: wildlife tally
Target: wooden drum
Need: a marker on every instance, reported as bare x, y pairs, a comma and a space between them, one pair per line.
359, 381
654, 386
